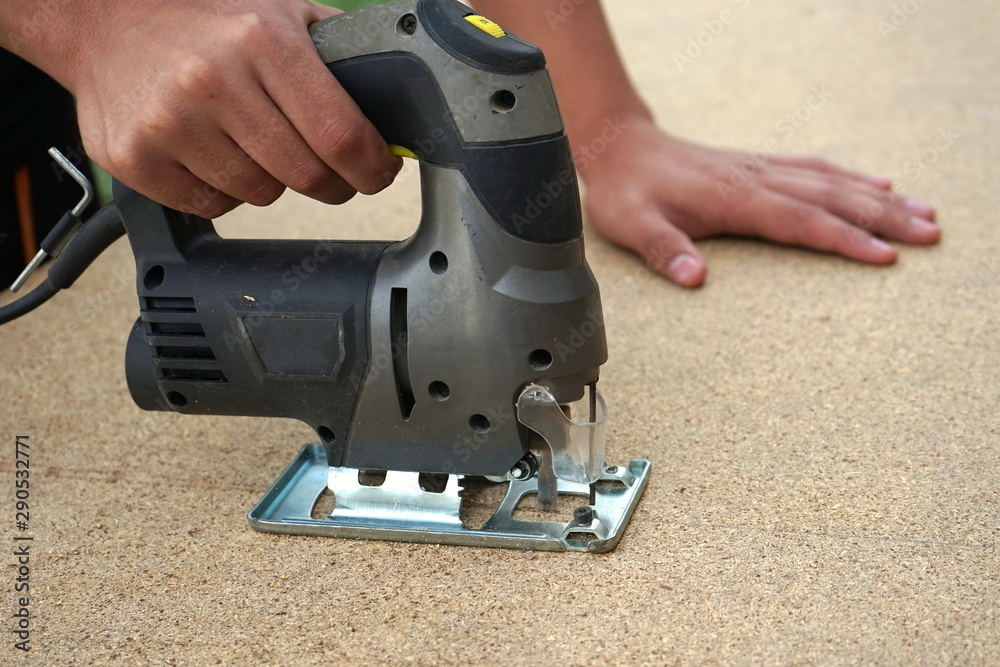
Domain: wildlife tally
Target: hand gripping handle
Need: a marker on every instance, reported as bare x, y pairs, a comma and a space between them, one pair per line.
455, 90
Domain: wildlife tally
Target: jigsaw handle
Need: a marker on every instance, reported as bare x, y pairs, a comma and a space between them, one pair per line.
406, 355
456, 90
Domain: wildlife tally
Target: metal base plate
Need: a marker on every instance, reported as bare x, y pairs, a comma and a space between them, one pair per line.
400, 510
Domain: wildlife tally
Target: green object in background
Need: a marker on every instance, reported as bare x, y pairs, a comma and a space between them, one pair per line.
102, 183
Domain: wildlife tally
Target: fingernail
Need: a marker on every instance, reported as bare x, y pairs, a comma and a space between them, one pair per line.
925, 226
920, 209
683, 269
880, 181
882, 245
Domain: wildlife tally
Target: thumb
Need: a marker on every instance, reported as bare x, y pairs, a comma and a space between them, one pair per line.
672, 254
666, 249
320, 12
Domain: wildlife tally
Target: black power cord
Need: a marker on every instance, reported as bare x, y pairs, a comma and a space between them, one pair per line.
95, 236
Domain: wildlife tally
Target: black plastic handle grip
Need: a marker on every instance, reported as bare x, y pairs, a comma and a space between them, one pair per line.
401, 61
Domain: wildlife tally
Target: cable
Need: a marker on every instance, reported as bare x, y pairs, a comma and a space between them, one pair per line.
28, 302
95, 236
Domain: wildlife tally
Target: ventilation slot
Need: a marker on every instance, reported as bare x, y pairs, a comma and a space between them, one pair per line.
177, 341
177, 352
400, 353
176, 329
193, 374
170, 304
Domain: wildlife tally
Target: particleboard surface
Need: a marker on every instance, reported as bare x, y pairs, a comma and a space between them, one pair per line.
824, 435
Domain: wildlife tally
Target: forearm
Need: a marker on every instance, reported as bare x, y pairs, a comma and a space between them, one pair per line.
587, 71
48, 33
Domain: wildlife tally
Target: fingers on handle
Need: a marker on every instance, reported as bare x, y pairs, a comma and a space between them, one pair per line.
329, 121
267, 137
173, 185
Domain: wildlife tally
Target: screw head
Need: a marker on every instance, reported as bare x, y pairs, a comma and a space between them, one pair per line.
408, 24
523, 469
612, 470
584, 515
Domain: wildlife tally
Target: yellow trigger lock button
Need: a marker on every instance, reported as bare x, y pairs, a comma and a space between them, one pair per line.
485, 25
402, 152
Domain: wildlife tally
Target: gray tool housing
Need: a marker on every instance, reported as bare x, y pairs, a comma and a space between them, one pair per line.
409, 355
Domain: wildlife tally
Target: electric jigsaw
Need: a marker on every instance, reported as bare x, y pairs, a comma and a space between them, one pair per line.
470, 349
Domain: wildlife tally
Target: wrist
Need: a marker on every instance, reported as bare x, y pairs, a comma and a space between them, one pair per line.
51, 40
606, 135
594, 127
593, 122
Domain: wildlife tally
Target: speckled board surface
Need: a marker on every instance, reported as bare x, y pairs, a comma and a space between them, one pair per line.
824, 435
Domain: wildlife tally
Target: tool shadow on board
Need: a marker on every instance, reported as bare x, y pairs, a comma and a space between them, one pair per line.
449, 359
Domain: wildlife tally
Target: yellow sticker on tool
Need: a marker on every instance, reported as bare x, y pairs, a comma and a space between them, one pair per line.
402, 151
485, 25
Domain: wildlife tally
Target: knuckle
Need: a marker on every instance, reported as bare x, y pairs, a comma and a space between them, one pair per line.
804, 221
874, 210
628, 204
197, 75
314, 179
339, 142
802, 212
657, 245
311, 178
831, 192
850, 237
733, 207
248, 25
94, 138
123, 154
158, 119
256, 30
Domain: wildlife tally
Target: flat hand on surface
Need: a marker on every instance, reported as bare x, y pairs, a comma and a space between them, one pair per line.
653, 194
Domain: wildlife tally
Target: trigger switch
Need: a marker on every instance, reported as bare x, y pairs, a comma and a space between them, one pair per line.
486, 25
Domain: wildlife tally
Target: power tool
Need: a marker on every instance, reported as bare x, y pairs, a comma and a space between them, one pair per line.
470, 350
